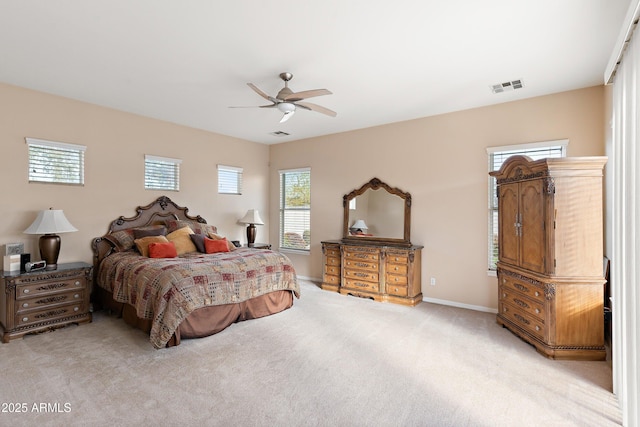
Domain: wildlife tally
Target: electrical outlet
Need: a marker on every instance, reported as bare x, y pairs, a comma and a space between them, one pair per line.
433, 281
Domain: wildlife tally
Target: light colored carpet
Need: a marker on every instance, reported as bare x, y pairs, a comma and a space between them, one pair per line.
330, 360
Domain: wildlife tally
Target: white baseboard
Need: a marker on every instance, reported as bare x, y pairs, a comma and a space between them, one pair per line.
431, 300
460, 305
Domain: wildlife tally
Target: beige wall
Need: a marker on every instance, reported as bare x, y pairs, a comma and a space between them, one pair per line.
114, 179
442, 162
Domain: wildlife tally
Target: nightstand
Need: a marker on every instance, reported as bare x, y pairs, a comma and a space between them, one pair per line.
258, 246
43, 300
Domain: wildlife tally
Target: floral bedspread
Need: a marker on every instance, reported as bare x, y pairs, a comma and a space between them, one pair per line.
168, 289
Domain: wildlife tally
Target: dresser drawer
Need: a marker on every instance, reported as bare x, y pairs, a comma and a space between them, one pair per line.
362, 254
34, 303
397, 268
394, 279
398, 258
398, 290
521, 318
531, 306
49, 287
332, 280
523, 288
48, 314
360, 285
371, 276
332, 261
332, 269
332, 252
362, 265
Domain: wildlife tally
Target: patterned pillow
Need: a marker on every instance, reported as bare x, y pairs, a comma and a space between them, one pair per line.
122, 240
197, 227
143, 243
182, 240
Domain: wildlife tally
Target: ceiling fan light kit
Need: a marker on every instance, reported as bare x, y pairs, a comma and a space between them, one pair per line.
286, 101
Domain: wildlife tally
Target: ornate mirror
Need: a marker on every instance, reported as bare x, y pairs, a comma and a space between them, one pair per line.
378, 213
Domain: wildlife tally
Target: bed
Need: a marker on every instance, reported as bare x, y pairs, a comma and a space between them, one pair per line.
193, 285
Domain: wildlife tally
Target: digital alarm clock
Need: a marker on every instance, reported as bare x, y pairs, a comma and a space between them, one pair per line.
35, 266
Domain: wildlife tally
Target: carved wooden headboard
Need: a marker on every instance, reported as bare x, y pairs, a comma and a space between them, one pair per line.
156, 212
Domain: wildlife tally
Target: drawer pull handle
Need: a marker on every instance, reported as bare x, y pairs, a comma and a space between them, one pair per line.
504, 310
76, 308
396, 269
396, 258
537, 328
537, 293
537, 310
77, 282
396, 289
504, 295
76, 296
25, 305
25, 319
26, 291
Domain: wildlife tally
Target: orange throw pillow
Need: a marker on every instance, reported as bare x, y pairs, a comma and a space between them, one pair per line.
162, 250
212, 246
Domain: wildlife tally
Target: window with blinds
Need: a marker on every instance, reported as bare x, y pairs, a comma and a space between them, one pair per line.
55, 162
229, 180
497, 156
295, 209
161, 173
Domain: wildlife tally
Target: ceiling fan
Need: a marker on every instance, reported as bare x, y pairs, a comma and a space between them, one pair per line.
287, 100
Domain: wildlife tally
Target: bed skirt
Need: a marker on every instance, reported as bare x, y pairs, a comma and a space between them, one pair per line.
203, 321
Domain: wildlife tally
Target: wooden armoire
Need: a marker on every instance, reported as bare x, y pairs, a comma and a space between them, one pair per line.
550, 266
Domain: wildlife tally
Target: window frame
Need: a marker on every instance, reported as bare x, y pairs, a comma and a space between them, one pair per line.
50, 153
171, 167
527, 149
282, 174
222, 180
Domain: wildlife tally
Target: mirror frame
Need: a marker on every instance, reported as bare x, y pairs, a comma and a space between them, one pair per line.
376, 184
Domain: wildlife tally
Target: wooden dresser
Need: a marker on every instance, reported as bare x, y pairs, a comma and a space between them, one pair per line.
377, 271
43, 300
550, 266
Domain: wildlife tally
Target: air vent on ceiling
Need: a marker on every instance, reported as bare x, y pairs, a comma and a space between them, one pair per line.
507, 86
279, 133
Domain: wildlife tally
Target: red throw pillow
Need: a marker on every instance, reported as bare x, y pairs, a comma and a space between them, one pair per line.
162, 250
212, 246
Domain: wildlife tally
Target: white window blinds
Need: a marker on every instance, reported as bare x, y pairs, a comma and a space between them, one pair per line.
295, 209
55, 162
161, 173
229, 180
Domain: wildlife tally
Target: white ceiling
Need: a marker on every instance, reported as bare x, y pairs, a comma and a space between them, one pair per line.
385, 61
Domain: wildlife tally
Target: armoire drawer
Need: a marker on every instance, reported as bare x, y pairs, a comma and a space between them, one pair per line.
531, 306
523, 319
360, 285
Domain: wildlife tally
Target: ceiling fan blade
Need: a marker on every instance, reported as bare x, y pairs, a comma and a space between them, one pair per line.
253, 106
317, 108
262, 94
287, 115
298, 96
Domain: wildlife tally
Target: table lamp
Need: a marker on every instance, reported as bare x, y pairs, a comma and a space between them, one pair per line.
252, 218
49, 223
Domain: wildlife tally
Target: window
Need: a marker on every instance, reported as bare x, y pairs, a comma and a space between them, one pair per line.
229, 180
55, 162
295, 209
161, 173
497, 156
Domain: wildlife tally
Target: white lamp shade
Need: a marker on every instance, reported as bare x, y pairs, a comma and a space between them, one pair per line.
359, 225
252, 217
50, 222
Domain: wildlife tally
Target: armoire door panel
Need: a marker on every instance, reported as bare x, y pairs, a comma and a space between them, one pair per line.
532, 220
508, 231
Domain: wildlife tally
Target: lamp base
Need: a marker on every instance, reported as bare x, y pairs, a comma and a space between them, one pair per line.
49, 250
251, 235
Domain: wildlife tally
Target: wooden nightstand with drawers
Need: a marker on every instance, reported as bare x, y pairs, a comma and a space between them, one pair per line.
43, 300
